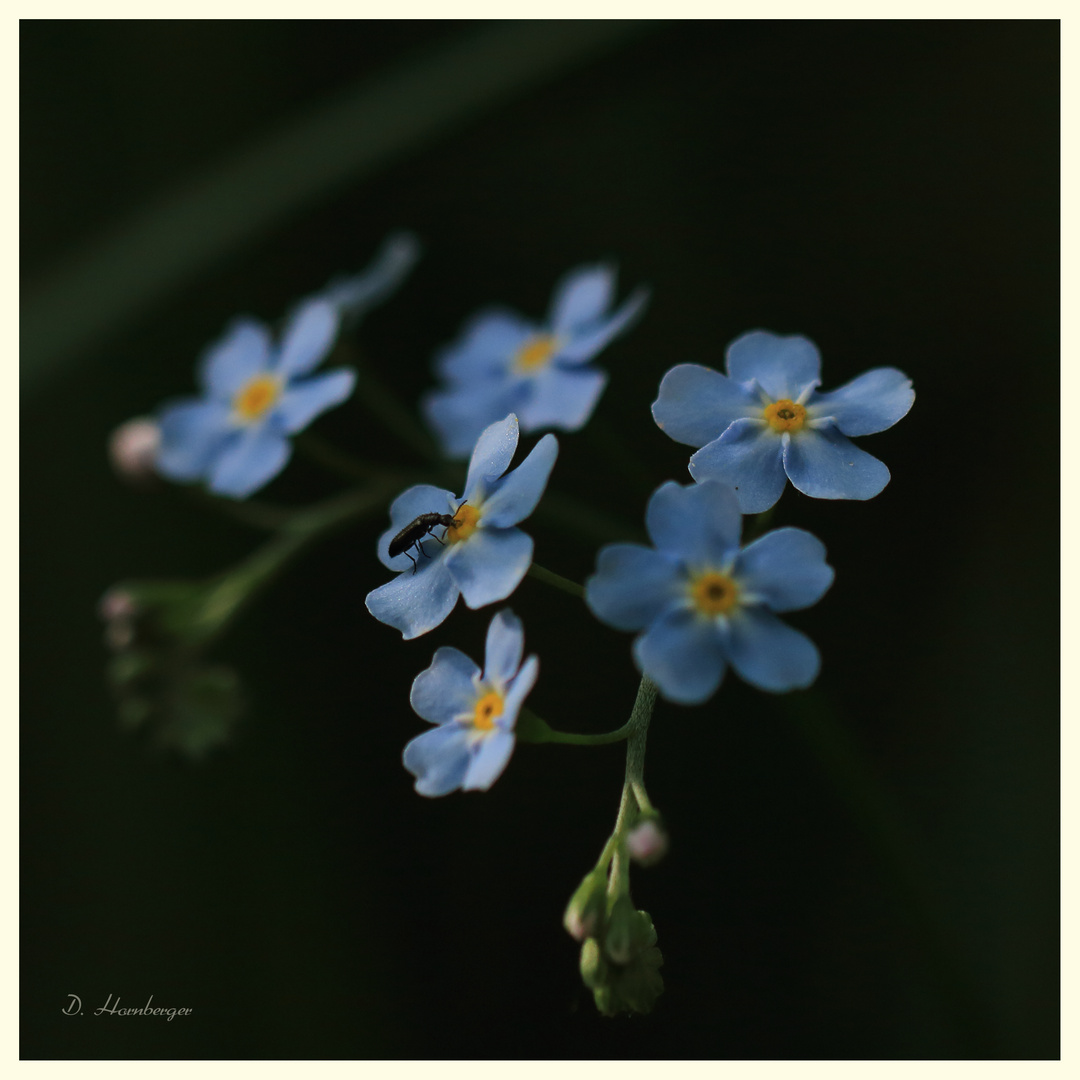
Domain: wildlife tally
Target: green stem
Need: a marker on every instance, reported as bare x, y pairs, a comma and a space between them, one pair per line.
532, 729
238, 587
642, 797
619, 882
556, 580
638, 724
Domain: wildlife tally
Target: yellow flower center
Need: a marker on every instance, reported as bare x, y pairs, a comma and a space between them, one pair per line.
785, 415
713, 593
535, 354
486, 710
257, 396
467, 518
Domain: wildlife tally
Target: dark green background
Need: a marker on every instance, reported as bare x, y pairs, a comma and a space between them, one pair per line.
888, 189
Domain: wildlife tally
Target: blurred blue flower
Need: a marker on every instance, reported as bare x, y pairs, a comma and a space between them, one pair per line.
704, 602
255, 395
483, 557
475, 713
765, 423
353, 296
504, 363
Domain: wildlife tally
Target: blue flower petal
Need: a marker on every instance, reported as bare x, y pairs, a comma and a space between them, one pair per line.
871, 403
826, 465
696, 404
486, 347
489, 565
417, 500
770, 654
415, 603
515, 497
589, 340
561, 398
503, 648
491, 456
409, 505
783, 365
460, 414
699, 523
581, 297
785, 569
192, 434
249, 462
241, 353
445, 689
488, 761
749, 457
302, 401
308, 337
632, 585
354, 295
518, 691
682, 654
438, 759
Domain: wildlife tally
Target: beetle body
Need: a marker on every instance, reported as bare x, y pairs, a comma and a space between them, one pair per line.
414, 533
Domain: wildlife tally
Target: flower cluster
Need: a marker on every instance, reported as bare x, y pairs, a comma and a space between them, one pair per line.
698, 600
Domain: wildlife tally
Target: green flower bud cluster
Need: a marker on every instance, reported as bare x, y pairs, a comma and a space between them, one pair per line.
619, 958
160, 682
623, 973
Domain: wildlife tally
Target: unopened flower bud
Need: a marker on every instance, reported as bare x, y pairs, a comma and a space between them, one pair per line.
117, 603
118, 609
647, 842
133, 450
619, 931
585, 911
594, 968
627, 987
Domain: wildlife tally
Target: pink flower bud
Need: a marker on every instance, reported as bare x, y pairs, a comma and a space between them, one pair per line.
117, 609
133, 449
647, 843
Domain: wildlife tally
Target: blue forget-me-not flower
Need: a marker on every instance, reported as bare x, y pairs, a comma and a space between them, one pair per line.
505, 363
475, 713
703, 602
255, 395
765, 422
483, 557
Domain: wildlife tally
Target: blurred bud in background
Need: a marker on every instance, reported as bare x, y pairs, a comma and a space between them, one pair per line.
133, 449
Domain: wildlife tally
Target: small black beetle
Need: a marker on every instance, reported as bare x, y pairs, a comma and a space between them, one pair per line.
417, 529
